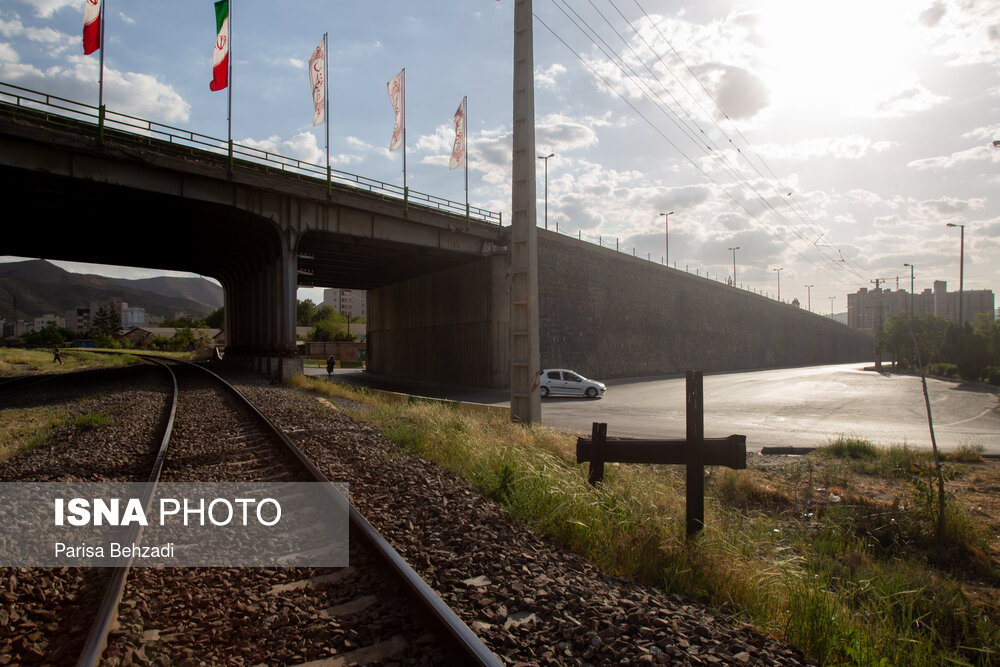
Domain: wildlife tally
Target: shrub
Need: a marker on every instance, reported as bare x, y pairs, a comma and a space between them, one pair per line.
849, 448
943, 370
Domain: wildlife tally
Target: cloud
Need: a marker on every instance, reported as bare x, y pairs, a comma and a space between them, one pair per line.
46, 36
908, 96
546, 78
302, 146
976, 153
46, 8
559, 133
740, 94
931, 16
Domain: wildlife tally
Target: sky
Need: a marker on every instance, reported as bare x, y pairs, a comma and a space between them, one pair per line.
832, 141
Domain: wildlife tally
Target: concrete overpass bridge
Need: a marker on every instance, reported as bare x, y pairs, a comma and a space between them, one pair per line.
154, 196
438, 281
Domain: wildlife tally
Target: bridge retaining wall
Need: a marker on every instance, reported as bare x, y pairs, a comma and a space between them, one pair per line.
606, 314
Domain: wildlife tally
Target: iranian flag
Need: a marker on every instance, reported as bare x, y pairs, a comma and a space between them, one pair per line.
220, 57
91, 26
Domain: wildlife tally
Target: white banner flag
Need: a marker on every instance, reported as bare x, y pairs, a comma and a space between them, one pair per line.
458, 152
395, 87
317, 79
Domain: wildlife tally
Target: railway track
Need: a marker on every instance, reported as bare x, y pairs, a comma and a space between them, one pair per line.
531, 601
375, 609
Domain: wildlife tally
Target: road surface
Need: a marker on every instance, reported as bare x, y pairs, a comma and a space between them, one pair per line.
803, 407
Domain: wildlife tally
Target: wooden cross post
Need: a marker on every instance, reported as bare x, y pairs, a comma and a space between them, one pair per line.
695, 452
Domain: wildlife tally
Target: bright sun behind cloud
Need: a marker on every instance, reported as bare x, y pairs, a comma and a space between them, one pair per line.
854, 56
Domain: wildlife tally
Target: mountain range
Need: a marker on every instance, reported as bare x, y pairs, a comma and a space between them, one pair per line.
40, 288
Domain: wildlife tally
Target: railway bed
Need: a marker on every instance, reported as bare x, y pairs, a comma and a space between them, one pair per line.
529, 600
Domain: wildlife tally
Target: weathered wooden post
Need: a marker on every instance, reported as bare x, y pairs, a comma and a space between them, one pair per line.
694, 452
695, 479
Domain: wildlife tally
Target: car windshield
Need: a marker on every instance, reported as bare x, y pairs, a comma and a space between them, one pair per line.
572, 377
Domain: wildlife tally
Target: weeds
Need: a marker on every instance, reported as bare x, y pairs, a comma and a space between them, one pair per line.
91, 420
859, 581
23, 430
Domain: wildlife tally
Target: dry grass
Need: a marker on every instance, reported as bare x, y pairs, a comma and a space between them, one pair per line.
843, 575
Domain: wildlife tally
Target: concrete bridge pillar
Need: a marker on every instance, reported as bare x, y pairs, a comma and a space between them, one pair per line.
260, 314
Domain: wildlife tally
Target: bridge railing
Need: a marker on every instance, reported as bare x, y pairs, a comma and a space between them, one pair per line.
56, 108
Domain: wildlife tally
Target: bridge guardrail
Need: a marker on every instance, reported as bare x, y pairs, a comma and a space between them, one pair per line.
114, 120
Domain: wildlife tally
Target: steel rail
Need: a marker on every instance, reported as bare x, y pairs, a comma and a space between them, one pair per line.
459, 642
107, 613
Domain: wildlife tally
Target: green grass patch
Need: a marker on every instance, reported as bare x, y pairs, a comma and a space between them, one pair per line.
853, 582
16, 361
91, 420
22, 430
849, 448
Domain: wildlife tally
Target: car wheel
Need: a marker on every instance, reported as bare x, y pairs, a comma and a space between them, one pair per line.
591, 392
545, 392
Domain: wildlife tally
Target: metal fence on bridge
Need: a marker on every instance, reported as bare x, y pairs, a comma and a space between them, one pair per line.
56, 108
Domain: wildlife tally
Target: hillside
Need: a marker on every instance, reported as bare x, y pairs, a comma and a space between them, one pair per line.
41, 287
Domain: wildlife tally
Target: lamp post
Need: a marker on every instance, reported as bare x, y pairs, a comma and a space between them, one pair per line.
911, 288
961, 274
779, 281
666, 236
831, 298
810, 296
545, 159
734, 264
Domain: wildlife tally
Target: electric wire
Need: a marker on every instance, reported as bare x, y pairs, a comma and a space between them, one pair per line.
687, 132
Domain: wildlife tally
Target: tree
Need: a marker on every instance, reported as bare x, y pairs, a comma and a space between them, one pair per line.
305, 312
327, 312
50, 335
216, 319
107, 321
929, 330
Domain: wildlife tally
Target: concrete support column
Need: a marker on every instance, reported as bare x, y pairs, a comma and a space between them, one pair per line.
525, 400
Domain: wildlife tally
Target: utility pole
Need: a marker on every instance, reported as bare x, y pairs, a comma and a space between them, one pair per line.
525, 400
878, 332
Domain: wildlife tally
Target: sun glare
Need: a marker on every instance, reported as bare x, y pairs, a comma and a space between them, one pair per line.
850, 56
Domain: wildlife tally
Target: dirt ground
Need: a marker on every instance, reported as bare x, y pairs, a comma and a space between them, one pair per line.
814, 481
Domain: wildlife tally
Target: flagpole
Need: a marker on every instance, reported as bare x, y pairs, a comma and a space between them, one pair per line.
406, 192
100, 85
229, 86
326, 108
465, 133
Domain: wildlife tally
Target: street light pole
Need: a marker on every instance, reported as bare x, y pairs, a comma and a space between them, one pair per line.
831, 298
911, 288
779, 281
666, 236
734, 264
961, 275
810, 296
545, 159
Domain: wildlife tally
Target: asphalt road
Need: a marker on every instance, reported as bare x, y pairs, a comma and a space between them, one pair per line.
802, 407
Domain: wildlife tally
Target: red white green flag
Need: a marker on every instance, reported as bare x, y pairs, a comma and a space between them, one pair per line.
220, 56
91, 26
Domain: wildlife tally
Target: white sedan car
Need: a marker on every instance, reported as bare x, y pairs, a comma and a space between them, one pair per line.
562, 382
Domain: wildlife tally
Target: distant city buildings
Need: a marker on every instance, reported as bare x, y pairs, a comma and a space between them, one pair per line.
349, 303
866, 309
